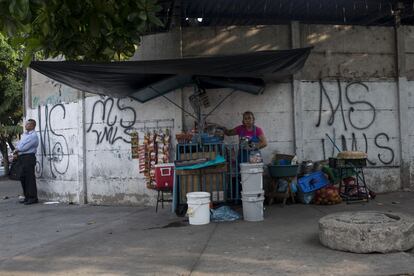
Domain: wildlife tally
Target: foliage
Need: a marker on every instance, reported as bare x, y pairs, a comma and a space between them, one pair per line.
11, 87
99, 30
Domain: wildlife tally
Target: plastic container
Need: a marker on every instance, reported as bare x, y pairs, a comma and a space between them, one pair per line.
253, 205
283, 170
255, 157
312, 182
198, 208
164, 176
251, 176
251, 167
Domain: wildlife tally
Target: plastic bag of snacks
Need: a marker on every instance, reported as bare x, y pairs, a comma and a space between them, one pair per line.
328, 195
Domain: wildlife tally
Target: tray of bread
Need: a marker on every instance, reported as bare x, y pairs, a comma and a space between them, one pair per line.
352, 155
349, 159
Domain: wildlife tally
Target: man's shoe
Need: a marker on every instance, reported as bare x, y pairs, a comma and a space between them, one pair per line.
22, 199
31, 201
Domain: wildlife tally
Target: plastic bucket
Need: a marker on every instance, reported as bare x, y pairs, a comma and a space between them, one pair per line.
251, 167
198, 208
253, 205
252, 183
251, 176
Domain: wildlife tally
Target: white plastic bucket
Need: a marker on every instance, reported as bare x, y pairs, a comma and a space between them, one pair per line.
198, 208
251, 176
253, 205
251, 167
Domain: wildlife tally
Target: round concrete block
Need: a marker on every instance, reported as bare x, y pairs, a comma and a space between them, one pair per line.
367, 231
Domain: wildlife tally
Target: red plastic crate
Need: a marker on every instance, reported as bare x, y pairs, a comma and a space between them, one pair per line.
164, 176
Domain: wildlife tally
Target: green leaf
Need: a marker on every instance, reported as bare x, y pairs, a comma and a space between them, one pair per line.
107, 23
143, 16
33, 44
154, 20
94, 26
27, 59
131, 17
11, 29
108, 52
19, 8
156, 9
17, 41
79, 29
140, 4
45, 28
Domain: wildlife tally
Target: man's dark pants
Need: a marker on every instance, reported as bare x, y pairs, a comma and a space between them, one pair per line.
28, 178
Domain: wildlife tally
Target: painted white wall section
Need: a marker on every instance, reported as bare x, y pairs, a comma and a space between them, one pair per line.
348, 89
272, 110
57, 156
112, 175
357, 116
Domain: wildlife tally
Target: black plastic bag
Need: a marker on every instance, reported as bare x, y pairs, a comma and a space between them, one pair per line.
16, 170
181, 210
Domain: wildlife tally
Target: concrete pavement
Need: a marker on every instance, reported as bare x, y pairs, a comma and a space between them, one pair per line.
61, 239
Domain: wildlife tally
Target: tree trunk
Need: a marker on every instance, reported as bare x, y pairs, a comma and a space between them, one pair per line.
6, 164
9, 141
4, 153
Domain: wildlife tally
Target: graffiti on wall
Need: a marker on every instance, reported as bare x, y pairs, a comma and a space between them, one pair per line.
63, 94
53, 145
350, 122
107, 126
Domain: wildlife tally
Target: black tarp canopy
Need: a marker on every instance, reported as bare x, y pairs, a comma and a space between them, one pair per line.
145, 80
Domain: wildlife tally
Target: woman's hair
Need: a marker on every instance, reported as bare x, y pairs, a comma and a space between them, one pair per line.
249, 113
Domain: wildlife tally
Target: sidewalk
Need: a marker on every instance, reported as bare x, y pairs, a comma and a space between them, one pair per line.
65, 239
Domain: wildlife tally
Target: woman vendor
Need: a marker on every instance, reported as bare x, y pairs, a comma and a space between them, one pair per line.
251, 136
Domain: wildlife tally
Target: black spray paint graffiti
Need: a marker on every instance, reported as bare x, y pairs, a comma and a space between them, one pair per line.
355, 147
351, 120
333, 110
384, 147
54, 146
352, 109
109, 132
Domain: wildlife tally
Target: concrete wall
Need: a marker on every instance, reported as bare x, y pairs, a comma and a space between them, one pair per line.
112, 175
349, 52
49, 92
160, 46
233, 40
356, 87
277, 123
97, 155
57, 158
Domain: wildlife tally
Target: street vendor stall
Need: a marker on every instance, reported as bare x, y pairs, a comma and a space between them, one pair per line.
146, 80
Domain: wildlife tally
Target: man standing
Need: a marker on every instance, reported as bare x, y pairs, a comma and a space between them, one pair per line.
26, 151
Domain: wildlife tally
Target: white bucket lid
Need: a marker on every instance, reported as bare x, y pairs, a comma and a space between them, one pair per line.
253, 199
165, 165
251, 165
197, 195
251, 170
257, 193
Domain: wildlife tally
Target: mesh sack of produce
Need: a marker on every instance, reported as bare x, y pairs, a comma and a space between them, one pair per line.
327, 196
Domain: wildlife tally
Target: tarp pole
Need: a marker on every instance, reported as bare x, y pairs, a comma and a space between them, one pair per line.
225, 98
180, 107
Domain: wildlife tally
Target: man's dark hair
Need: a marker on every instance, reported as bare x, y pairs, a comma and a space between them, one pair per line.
32, 121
